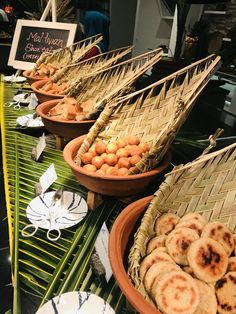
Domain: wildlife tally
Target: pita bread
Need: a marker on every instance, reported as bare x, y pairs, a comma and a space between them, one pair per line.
156, 270
208, 259
194, 216
226, 294
178, 242
152, 258
232, 264
166, 223
191, 224
220, 233
208, 302
176, 293
156, 242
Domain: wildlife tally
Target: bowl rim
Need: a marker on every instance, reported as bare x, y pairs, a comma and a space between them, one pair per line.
68, 158
42, 81
123, 280
40, 107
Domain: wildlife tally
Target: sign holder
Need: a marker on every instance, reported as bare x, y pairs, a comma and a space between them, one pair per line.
50, 5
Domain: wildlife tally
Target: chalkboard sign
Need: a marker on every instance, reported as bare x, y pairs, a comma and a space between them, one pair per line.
31, 38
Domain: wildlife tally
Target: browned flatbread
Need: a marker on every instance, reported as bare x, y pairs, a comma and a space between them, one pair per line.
166, 223
154, 257
191, 224
156, 242
178, 242
208, 259
235, 244
226, 294
176, 293
220, 233
194, 216
232, 264
156, 270
208, 302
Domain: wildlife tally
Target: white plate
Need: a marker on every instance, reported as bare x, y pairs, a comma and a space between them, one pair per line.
28, 121
72, 209
76, 303
13, 79
23, 98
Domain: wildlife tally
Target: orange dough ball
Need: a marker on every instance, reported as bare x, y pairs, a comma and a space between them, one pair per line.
87, 158
121, 143
111, 148
144, 147
122, 152
135, 150
100, 147
111, 159
112, 171
97, 161
103, 156
90, 168
134, 159
93, 151
133, 140
100, 171
123, 172
123, 162
104, 167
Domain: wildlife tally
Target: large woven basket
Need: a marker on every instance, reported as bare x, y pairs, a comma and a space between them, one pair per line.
102, 86
68, 55
154, 114
76, 72
207, 186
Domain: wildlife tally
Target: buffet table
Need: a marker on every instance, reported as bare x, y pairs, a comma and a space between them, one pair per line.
49, 268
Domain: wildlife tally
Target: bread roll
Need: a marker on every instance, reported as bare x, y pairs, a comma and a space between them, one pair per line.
208, 259
220, 233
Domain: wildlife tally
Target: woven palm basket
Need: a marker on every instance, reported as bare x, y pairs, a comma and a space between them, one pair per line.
154, 114
207, 186
68, 55
102, 86
76, 72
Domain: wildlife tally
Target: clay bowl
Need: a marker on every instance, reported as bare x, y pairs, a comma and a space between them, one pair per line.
111, 185
65, 129
43, 96
120, 240
32, 79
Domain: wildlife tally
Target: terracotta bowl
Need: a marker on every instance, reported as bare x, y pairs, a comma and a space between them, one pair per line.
32, 79
120, 240
43, 96
111, 185
66, 129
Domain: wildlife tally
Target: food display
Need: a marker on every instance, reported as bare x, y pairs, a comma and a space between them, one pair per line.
190, 270
54, 88
115, 158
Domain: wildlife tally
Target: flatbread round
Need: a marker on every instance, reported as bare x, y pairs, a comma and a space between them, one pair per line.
156, 270
208, 259
226, 294
194, 216
191, 224
220, 233
166, 223
154, 257
178, 242
235, 244
208, 302
176, 293
232, 264
156, 242
188, 270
